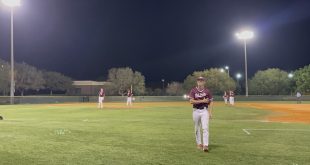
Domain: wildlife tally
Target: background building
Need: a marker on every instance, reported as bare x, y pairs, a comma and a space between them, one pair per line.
88, 88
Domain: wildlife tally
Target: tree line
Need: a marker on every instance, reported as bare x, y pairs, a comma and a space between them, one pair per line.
278, 82
30, 79
271, 81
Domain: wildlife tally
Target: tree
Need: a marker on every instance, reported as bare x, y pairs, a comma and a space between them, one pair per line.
216, 81
175, 88
56, 82
158, 92
138, 83
270, 82
4, 77
122, 78
302, 78
149, 92
28, 78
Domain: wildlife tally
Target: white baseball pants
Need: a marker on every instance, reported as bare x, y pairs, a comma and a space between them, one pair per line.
100, 102
201, 120
231, 100
129, 101
225, 99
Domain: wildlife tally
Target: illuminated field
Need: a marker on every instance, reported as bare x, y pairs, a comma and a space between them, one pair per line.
153, 133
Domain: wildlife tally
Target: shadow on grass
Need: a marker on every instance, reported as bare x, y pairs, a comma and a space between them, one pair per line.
214, 146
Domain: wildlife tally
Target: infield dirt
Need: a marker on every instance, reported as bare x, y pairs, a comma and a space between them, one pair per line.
283, 112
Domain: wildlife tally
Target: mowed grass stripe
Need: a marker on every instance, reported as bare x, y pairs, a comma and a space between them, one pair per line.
148, 133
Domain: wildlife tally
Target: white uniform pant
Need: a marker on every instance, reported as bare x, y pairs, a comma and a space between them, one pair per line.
100, 102
201, 121
225, 99
231, 100
129, 101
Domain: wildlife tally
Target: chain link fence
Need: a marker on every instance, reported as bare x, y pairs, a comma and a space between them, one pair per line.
81, 99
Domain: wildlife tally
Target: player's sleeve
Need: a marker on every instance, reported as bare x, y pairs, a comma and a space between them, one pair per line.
210, 96
191, 94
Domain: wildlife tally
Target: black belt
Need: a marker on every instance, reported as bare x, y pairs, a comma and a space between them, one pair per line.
201, 108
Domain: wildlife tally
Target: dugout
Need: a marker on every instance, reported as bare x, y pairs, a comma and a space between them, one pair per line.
88, 88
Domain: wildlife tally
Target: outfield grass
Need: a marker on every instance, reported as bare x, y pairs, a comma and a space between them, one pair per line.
149, 133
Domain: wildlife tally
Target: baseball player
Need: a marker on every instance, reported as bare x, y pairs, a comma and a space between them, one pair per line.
298, 97
200, 97
101, 98
231, 98
129, 97
225, 97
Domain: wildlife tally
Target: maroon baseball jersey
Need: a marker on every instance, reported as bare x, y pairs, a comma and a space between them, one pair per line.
101, 93
231, 94
197, 94
129, 94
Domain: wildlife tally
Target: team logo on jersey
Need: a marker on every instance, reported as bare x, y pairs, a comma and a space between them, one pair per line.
200, 95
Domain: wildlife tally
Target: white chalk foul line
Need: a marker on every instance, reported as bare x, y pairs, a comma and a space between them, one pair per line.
247, 131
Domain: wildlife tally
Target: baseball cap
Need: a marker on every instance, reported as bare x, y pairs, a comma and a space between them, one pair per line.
201, 78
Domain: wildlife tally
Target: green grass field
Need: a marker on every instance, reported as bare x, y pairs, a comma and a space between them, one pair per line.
148, 133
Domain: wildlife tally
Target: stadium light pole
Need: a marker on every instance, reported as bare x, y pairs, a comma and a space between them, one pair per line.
12, 4
2, 70
227, 68
290, 76
238, 76
163, 80
245, 35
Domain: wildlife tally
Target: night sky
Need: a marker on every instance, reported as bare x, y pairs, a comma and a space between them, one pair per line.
160, 38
